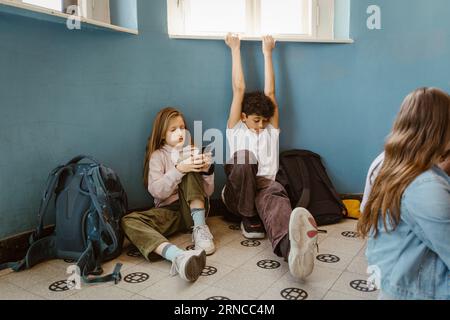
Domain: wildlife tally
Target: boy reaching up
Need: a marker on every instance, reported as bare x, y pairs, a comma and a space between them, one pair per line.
251, 191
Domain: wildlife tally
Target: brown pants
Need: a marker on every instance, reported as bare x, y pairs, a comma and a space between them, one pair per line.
248, 195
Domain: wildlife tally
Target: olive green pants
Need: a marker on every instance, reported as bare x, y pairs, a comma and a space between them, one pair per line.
148, 229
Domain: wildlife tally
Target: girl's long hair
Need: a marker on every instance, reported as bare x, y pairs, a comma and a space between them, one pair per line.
157, 139
418, 140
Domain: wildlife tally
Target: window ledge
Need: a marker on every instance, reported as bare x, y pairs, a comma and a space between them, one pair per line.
40, 13
256, 38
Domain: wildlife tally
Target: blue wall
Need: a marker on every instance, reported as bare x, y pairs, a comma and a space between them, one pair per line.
124, 13
68, 92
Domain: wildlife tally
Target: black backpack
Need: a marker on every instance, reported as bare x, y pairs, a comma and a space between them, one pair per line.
306, 181
89, 204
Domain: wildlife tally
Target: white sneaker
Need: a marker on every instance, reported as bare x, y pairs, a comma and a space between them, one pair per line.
203, 239
189, 265
303, 241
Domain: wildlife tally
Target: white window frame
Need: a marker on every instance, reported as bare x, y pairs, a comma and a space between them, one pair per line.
22, 8
89, 9
27, 3
322, 23
99, 12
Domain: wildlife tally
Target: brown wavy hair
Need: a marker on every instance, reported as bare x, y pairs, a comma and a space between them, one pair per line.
157, 138
419, 139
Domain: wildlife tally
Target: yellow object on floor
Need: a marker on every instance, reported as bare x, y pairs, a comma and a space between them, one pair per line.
352, 208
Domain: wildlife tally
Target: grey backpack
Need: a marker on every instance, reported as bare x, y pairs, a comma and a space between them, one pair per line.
89, 204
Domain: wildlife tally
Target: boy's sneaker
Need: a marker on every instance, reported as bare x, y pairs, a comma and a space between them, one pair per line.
303, 241
253, 228
203, 239
189, 265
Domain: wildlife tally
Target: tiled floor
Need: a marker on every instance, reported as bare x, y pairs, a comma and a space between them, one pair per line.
239, 269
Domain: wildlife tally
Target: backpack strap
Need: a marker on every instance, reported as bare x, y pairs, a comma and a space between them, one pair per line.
15, 266
40, 250
305, 197
283, 176
90, 264
91, 258
52, 181
320, 171
93, 179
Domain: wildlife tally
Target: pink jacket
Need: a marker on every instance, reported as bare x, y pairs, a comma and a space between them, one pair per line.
164, 178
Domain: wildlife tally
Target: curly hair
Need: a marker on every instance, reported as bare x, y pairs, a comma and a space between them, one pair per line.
257, 103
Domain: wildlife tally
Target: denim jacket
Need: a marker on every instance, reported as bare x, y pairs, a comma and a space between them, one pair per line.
414, 260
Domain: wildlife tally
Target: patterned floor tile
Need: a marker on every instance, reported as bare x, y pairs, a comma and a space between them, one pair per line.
215, 293
8, 291
287, 290
267, 262
355, 284
243, 281
239, 269
348, 247
55, 288
336, 295
332, 260
29, 278
140, 277
233, 256
358, 265
173, 288
320, 278
102, 293
213, 272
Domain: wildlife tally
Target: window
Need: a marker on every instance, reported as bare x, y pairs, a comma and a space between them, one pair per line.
49, 4
215, 16
118, 15
286, 17
97, 10
295, 20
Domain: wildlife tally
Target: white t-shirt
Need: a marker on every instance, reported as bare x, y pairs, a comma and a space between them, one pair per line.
371, 176
265, 146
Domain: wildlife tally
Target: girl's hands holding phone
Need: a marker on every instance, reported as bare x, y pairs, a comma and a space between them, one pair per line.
207, 160
195, 163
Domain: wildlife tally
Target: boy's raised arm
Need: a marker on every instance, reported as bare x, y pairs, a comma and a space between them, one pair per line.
238, 81
269, 77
